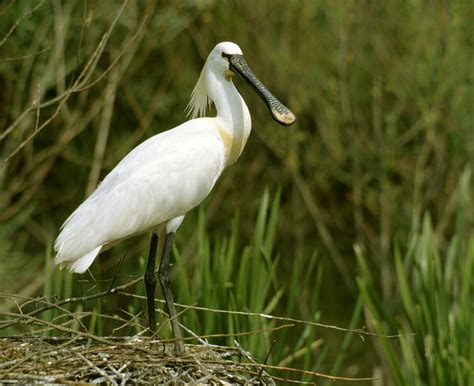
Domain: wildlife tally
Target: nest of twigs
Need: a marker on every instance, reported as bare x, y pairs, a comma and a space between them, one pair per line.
54, 351
121, 361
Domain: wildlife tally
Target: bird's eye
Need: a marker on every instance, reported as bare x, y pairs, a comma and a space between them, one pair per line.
224, 55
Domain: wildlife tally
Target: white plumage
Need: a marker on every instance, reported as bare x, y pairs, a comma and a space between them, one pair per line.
161, 179
157, 183
164, 177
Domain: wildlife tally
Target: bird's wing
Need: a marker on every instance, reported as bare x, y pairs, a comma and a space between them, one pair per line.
164, 177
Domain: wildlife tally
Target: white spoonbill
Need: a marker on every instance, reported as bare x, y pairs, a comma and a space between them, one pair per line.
158, 182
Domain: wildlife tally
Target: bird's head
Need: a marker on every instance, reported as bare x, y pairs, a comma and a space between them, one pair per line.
219, 58
226, 59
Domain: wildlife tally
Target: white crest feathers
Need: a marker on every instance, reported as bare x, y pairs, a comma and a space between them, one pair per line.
200, 100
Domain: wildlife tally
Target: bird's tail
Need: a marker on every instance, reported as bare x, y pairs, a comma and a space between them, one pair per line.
79, 265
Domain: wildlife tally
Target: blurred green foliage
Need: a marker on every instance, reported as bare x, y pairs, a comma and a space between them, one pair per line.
383, 93
436, 291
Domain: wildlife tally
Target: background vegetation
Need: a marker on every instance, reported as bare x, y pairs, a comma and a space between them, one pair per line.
368, 220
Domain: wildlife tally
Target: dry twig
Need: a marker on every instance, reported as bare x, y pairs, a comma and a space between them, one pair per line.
54, 352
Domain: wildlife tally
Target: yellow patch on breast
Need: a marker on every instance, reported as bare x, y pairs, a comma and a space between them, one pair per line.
227, 139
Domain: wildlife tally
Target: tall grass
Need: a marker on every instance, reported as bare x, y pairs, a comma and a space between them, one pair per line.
229, 277
431, 308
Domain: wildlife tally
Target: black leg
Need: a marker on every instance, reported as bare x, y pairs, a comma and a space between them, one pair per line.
164, 276
150, 283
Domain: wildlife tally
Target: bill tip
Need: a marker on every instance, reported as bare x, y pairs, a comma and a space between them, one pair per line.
286, 118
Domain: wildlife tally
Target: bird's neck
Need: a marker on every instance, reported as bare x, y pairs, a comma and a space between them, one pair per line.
232, 111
